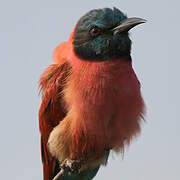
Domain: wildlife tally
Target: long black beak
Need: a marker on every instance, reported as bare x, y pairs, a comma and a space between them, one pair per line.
128, 24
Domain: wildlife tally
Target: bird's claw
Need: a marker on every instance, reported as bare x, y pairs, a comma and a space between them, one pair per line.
71, 166
68, 166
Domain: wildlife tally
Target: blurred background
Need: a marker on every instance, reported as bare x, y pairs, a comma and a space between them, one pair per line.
29, 32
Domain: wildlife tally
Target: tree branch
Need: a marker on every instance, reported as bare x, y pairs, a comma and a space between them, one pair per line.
60, 174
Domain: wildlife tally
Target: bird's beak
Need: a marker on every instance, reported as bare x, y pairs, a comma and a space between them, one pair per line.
128, 24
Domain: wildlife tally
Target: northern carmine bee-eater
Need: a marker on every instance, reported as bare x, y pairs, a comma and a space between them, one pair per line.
91, 99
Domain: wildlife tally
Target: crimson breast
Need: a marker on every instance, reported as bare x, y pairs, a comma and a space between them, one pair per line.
106, 103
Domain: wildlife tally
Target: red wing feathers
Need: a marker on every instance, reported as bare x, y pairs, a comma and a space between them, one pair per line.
51, 110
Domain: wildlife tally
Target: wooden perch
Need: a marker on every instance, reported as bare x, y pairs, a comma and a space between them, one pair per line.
60, 174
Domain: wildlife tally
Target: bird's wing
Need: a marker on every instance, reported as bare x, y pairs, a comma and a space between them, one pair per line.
51, 111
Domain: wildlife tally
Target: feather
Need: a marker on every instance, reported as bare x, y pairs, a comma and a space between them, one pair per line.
51, 111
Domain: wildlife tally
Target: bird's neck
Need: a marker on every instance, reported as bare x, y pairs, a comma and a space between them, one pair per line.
112, 66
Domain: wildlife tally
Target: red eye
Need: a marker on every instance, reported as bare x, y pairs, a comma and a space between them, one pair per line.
95, 31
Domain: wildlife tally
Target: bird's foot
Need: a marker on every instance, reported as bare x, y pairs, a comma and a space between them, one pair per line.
71, 166
68, 166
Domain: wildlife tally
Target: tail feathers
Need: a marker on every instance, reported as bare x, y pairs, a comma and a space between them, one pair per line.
50, 164
50, 170
47, 172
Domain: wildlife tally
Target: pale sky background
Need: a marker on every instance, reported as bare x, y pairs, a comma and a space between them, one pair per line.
29, 32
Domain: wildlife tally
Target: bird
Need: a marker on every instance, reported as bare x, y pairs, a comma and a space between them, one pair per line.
91, 97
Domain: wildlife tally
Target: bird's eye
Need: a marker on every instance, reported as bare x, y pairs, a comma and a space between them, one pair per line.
95, 31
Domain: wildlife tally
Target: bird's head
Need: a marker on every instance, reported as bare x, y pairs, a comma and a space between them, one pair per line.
102, 34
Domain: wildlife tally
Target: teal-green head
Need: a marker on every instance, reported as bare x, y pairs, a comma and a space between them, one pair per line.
102, 34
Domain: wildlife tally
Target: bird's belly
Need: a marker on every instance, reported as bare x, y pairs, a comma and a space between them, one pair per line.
116, 113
